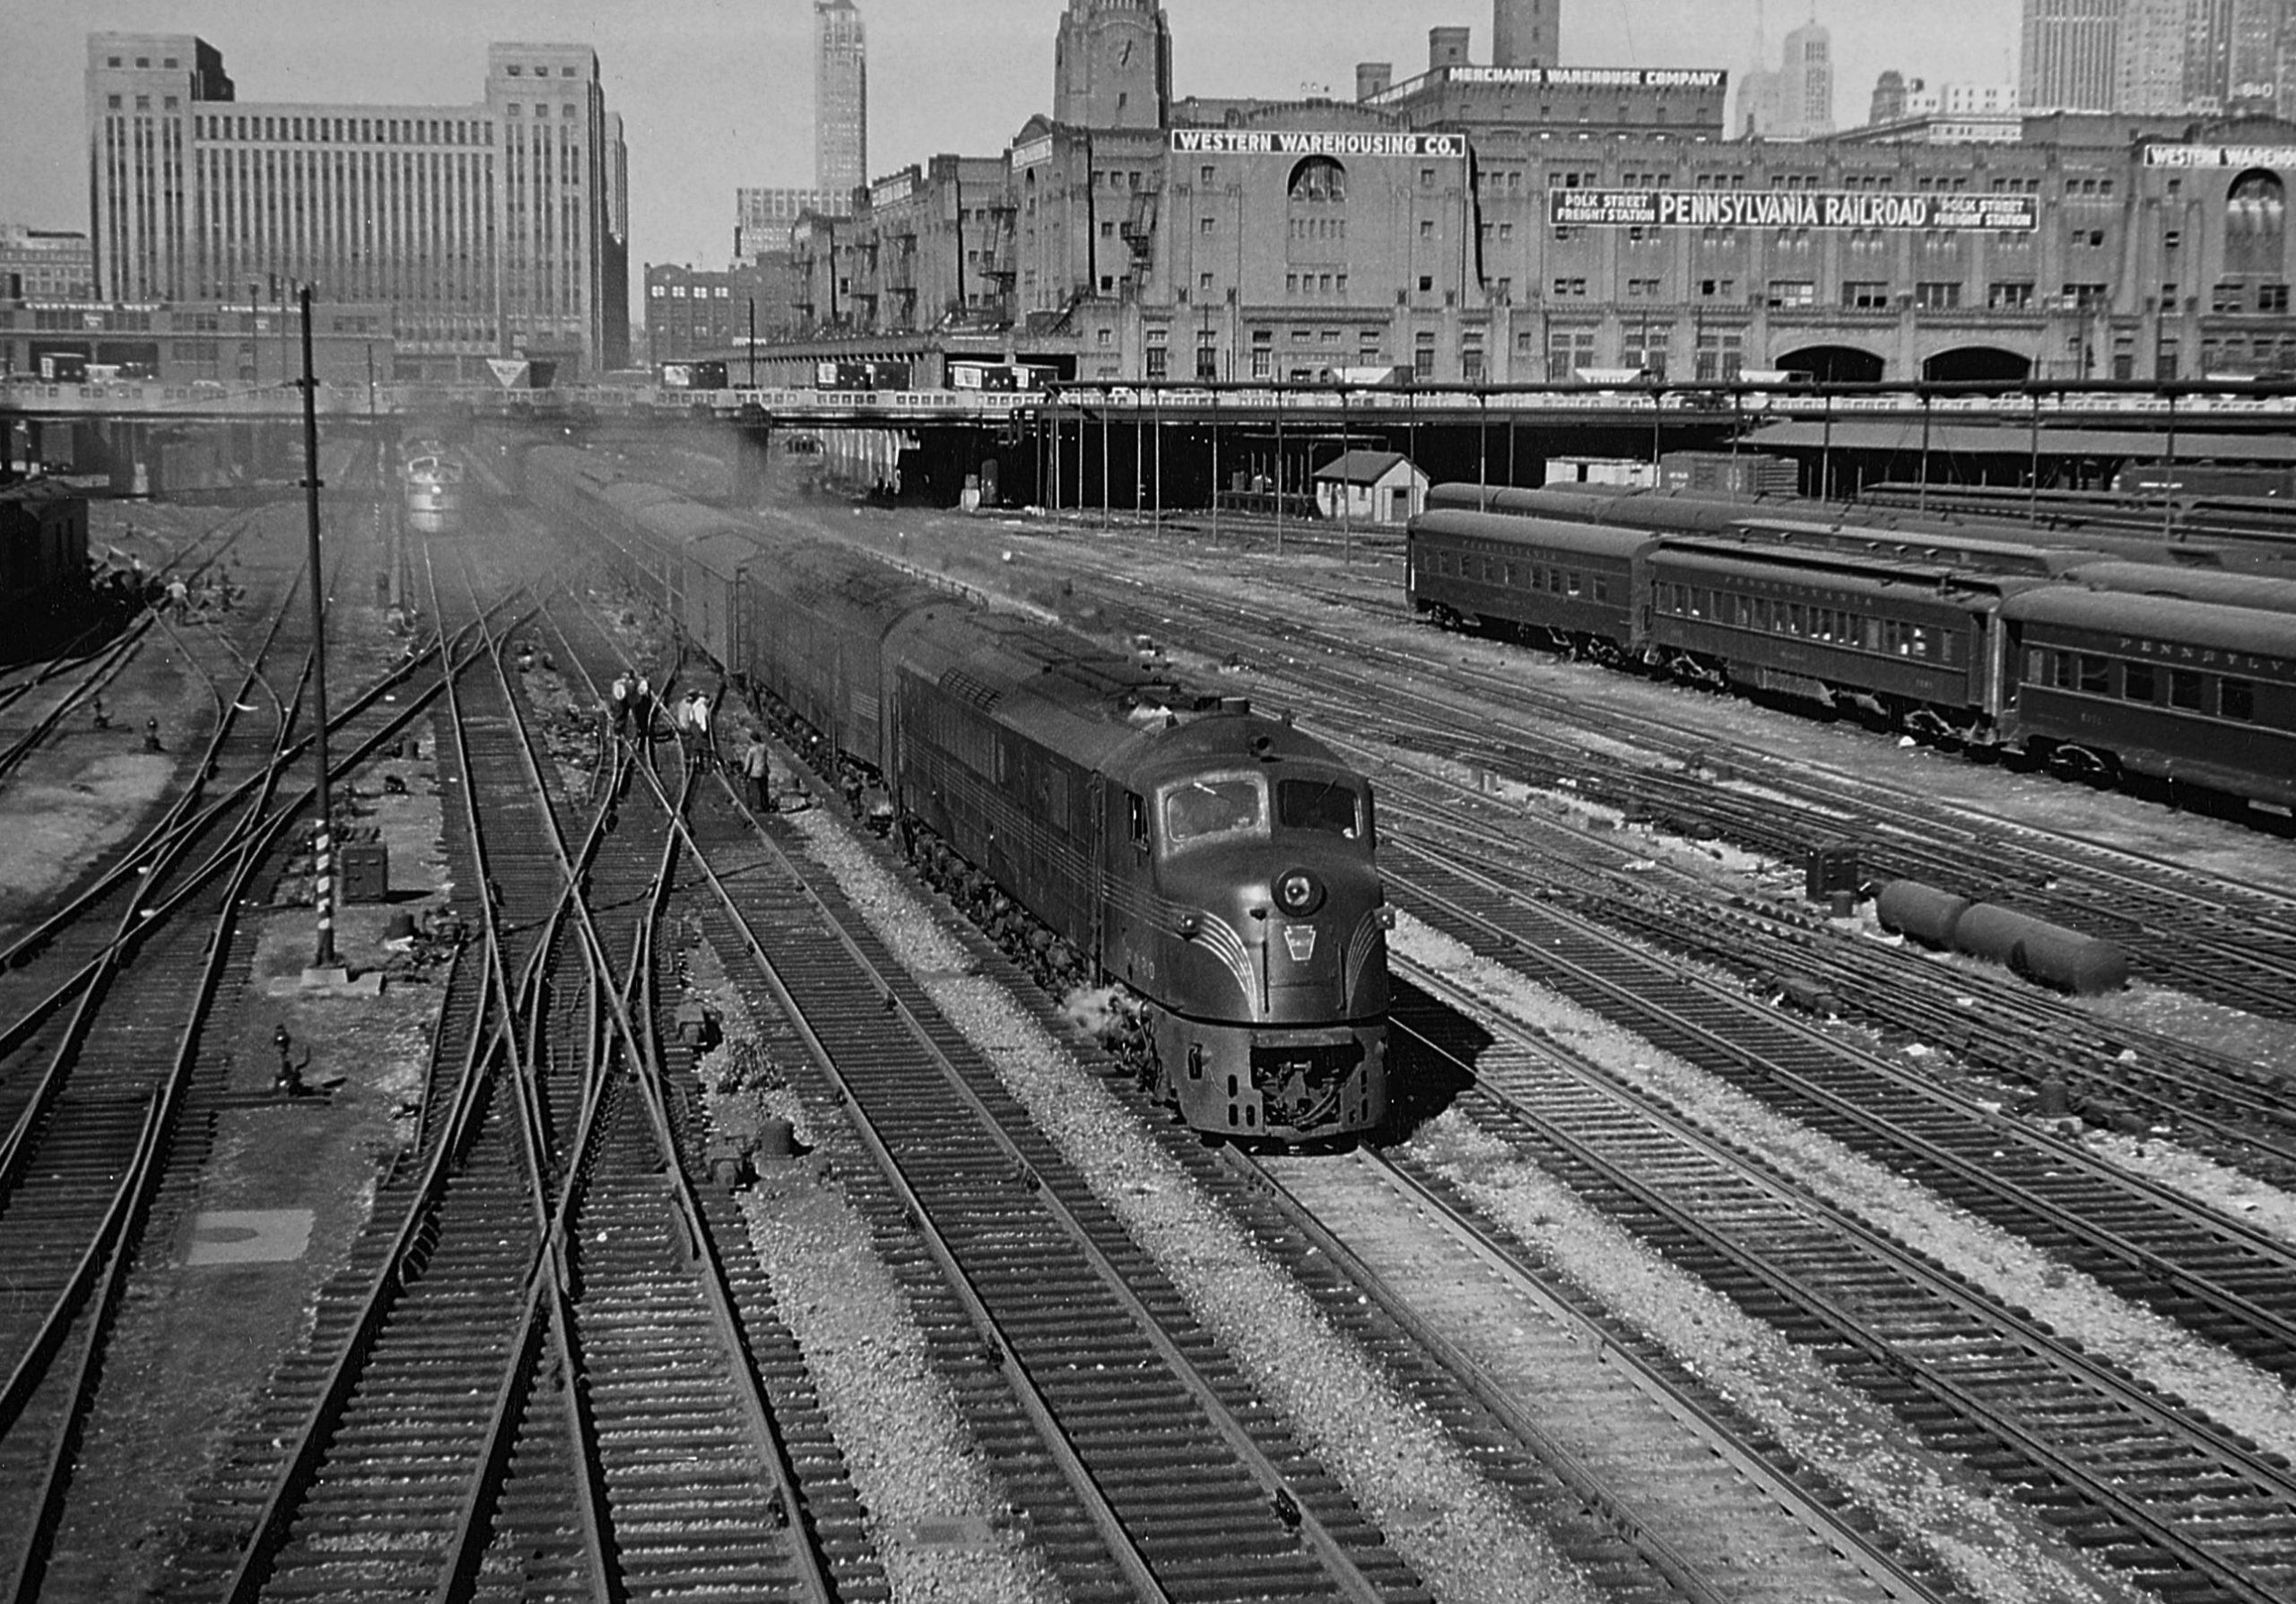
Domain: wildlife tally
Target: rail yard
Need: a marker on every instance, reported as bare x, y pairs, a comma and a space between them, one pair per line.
702, 1181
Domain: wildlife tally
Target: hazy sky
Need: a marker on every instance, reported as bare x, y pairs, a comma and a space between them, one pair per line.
719, 94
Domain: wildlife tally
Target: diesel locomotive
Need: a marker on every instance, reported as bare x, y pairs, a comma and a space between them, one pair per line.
1212, 866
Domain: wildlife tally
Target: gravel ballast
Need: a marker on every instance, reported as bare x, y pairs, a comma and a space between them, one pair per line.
1980, 1535
1447, 1522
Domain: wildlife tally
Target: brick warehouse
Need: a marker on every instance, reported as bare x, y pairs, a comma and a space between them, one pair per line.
1525, 222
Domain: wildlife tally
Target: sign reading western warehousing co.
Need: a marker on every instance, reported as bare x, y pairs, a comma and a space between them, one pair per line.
1788, 209
2219, 155
1255, 142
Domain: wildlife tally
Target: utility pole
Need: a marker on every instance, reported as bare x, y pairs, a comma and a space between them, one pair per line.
323, 847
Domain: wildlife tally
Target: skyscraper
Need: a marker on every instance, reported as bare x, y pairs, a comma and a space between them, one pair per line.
840, 98
495, 229
1795, 100
2069, 59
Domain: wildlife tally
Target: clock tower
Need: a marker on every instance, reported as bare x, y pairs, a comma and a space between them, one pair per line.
1112, 64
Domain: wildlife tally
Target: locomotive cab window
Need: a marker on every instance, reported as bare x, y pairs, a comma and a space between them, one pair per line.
1136, 807
1328, 806
1214, 804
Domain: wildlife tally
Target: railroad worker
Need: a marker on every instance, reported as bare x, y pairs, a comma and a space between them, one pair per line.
179, 596
641, 707
682, 723
288, 1080
618, 702
757, 766
151, 734
705, 742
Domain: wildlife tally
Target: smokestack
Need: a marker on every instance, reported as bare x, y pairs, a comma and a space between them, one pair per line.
1446, 48
1372, 78
1523, 32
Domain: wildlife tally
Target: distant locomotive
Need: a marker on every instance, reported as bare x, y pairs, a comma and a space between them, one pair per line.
2098, 666
1215, 866
430, 481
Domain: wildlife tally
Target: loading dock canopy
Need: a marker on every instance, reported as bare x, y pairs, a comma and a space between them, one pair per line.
1986, 440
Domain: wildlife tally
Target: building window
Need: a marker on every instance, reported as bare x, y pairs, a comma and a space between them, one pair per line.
2272, 298
1569, 287
1793, 292
2009, 295
1866, 295
1426, 282
1317, 180
1937, 295
1423, 356
1206, 225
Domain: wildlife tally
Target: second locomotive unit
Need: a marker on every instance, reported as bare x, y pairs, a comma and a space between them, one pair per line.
1215, 867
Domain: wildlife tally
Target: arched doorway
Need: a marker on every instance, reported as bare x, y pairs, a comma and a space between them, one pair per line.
1977, 364
1832, 364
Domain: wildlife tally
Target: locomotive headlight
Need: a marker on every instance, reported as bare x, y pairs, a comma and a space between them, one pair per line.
1385, 916
1297, 893
1187, 924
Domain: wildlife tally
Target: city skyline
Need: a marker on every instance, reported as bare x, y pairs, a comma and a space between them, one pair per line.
718, 94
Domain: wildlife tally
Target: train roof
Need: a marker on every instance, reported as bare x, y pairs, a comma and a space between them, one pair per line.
2225, 587
1543, 534
2200, 624
1720, 556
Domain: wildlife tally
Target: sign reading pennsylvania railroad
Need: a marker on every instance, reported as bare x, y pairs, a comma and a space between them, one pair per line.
1788, 209
1255, 142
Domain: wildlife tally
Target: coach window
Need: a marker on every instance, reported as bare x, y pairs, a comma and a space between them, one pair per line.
1510, 575
2237, 699
1573, 579
2184, 689
2096, 675
2136, 681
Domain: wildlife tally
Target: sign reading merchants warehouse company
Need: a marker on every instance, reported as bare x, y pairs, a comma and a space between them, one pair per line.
1255, 142
1788, 209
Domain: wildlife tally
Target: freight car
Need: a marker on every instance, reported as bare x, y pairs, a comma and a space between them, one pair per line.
43, 565
1927, 645
1212, 866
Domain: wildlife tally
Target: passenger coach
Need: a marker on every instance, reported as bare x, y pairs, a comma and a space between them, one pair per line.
2156, 685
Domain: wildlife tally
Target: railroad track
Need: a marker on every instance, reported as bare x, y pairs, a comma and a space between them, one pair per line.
534, 1375
2107, 1074
2228, 942
1145, 1464
107, 1084
1971, 1377
2212, 1274
1719, 1506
